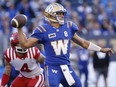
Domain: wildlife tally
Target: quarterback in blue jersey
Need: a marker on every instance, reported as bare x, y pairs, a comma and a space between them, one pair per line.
56, 36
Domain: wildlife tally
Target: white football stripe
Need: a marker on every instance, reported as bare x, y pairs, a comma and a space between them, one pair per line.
17, 24
25, 17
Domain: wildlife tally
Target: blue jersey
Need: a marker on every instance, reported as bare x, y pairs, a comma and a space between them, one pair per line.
83, 56
56, 42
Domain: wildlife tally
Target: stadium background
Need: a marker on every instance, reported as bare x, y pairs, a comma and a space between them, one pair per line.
96, 19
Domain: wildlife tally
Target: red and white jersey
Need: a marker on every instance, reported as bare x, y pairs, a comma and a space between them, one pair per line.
27, 64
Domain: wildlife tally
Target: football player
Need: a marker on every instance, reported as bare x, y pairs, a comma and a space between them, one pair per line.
56, 35
26, 61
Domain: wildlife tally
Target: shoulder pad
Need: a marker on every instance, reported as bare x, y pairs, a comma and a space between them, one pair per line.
69, 24
41, 28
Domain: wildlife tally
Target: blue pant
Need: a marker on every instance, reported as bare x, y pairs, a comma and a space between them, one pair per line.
55, 76
84, 71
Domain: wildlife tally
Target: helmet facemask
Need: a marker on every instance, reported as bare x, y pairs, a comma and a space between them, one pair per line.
60, 18
20, 50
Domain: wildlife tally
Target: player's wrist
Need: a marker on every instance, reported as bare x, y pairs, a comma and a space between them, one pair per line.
19, 28
94, 47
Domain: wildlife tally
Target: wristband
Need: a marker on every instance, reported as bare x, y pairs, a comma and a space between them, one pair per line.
93, 47
5, 79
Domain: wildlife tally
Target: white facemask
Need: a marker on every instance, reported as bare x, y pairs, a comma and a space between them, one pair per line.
20, 50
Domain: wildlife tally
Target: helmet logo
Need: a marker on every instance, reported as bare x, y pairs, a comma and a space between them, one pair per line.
49, 9
51, 13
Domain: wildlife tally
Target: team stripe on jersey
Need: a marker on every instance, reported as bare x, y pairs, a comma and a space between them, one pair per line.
42, 28
40, 81
11, 53
8, 54
33, 50
28, 53
15, 55
69, 24
39, 29
46, 76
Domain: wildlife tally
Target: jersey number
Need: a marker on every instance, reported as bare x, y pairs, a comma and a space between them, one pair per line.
25, 68
60, 46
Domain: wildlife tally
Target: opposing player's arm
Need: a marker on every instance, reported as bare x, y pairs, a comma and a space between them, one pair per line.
6, 74
26, 43
41, 58
89, 45
7, 70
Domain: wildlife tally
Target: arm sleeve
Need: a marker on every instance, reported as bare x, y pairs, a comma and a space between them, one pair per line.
5, 79
6, 56
74, 28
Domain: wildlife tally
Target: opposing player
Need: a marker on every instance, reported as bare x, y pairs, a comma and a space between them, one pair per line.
25, 61
56, 36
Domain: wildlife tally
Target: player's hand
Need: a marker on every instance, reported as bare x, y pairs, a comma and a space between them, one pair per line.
107, 50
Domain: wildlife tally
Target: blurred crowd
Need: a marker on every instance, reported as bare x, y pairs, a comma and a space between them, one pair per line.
93, 17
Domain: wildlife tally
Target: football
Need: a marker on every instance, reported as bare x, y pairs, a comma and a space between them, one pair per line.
19, 21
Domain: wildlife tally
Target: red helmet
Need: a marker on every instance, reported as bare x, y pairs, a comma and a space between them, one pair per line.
14, 39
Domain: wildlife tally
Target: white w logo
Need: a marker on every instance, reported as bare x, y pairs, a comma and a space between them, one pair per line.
54, 71
59, 46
